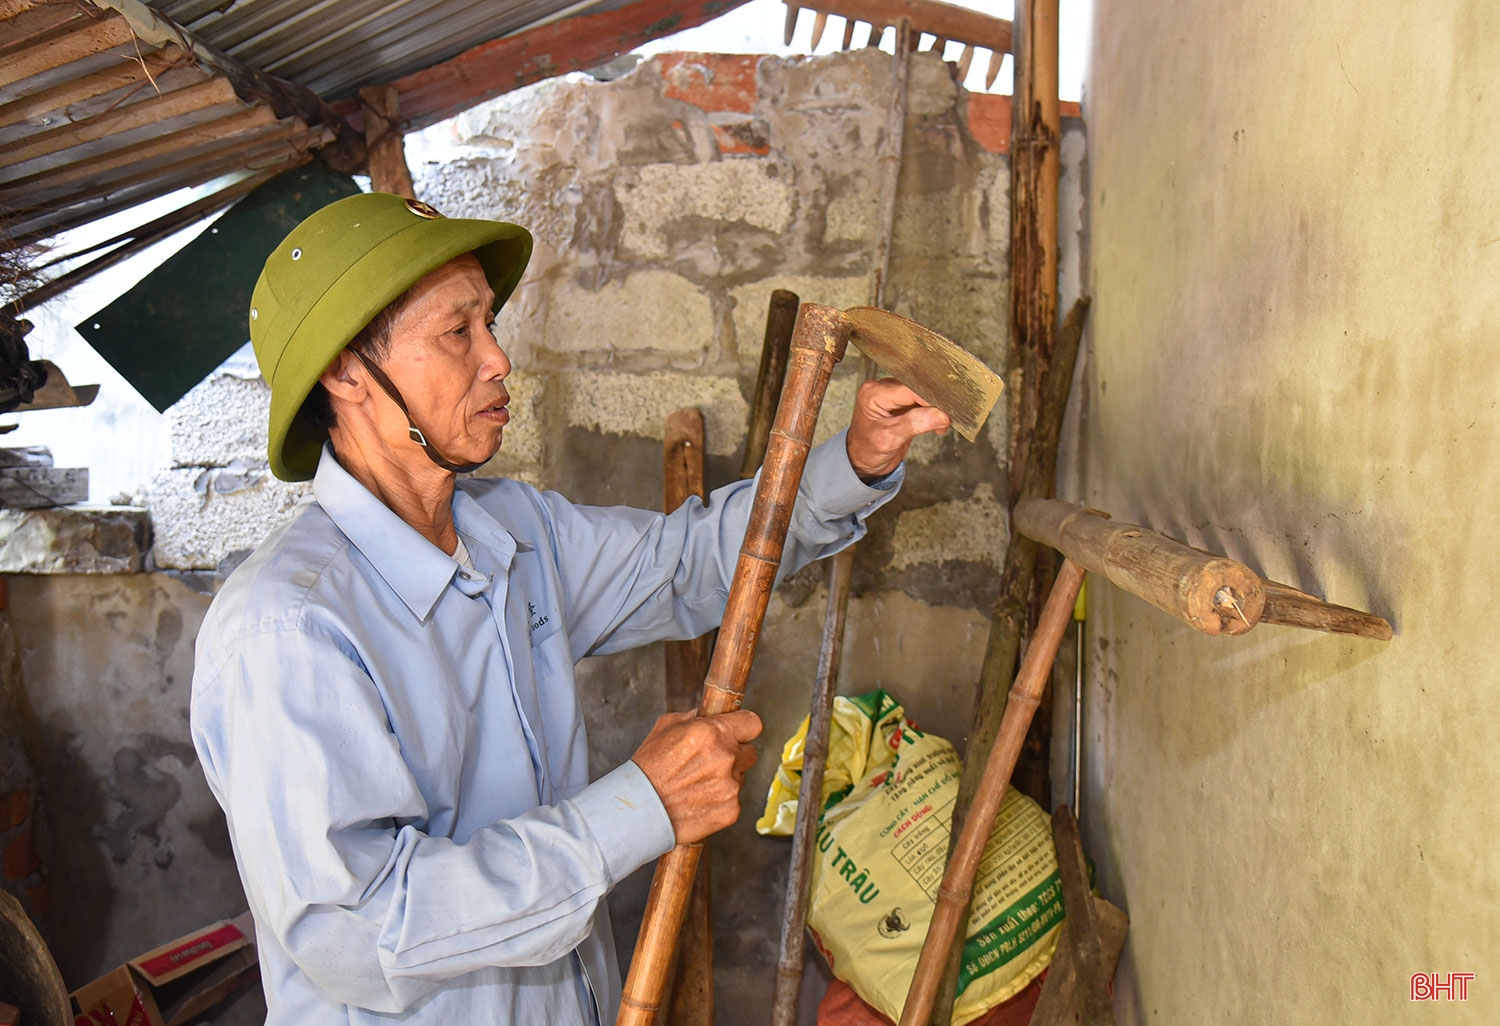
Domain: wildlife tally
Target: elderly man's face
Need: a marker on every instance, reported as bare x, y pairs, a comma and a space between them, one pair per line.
445, 360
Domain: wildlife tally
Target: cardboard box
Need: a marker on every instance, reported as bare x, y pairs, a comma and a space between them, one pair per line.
171, 984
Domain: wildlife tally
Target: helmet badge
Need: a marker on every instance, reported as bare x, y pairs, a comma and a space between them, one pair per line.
422, 209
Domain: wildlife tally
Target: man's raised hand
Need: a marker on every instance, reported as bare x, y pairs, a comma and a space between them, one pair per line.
887, 416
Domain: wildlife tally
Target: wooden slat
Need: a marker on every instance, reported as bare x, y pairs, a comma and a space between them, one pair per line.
69, 94
152, 112
42, 487
943, 20
91, 38
573, 44
53, 183
37, 21
280, 149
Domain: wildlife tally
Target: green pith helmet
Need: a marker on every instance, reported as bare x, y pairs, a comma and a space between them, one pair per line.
333, 274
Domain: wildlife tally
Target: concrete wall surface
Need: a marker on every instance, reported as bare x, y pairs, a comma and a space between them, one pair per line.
666, 205
1295, 245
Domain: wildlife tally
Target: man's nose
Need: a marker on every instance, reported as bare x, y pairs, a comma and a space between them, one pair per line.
496, 363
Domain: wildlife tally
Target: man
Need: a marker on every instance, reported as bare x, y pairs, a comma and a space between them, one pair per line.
383, 699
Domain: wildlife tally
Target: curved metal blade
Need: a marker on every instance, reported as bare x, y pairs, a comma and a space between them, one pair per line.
937, 369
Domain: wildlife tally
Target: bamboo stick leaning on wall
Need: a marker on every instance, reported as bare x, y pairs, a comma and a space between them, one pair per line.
791, 954
781, 317
691, 990
818, 342
958, 878
1009, 617
1211, 593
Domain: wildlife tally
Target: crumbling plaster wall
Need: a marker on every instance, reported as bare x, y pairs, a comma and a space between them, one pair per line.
667, 206
1294, 265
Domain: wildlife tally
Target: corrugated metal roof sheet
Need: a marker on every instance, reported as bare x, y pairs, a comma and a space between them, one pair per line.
336, 46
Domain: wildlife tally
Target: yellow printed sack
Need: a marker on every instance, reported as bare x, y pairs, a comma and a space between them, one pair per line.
888, 795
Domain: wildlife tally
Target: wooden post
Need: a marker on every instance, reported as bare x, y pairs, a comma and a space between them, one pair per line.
1084, 939
384, 134
691, 992
958, 877
1057, 1005
819, 341
780, 319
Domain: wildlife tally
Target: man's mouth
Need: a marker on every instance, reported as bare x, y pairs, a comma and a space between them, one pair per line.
497, 410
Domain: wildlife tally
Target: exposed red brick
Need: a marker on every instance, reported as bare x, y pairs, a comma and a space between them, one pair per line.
20, 856
15, 807
713, 82
740, 139
989, 121
990, 114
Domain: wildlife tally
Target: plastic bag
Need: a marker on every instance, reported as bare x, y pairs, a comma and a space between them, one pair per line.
888, 794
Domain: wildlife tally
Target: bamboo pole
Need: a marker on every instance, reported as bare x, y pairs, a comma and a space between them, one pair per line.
818, 342
792, 954
1034, 172
691, 981
1009, 617
958, 878
1209, 593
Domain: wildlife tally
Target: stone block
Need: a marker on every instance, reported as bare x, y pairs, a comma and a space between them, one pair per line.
749, 304
223, 418
638, 404
734, 192
74, 541
654, 311
970, 530
207, 514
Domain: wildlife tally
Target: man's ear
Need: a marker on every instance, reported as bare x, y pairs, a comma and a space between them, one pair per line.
342, 380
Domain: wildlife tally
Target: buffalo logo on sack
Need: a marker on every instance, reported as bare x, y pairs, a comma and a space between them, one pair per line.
894, 923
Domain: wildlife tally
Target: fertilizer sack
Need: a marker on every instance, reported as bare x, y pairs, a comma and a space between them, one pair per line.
888, 794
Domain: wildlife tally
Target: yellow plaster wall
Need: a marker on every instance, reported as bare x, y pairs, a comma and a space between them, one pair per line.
1295, 359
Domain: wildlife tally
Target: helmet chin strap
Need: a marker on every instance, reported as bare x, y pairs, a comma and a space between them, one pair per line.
415, 432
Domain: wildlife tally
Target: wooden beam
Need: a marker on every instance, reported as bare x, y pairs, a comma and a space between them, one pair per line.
36, 21
385, 141
1057, 1004
55, 183
42, 487
138, 239
943, 20
573, 44
101, 83
153, 111
346, 153
89, 38
279, 149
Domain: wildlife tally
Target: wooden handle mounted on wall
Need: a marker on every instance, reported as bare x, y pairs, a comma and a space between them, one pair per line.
819, 341
1214, 594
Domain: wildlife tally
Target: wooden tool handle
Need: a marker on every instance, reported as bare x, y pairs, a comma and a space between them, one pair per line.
819, 341
958, 878
1214, 594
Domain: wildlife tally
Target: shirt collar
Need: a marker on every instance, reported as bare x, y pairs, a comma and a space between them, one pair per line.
413, 567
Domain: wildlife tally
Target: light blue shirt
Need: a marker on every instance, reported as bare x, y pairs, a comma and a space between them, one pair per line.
398, 746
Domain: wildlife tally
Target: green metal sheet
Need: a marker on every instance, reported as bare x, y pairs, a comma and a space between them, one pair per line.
190, 314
